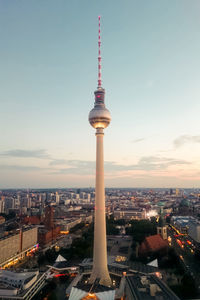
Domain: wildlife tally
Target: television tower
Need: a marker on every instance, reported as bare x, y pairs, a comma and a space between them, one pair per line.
99, 118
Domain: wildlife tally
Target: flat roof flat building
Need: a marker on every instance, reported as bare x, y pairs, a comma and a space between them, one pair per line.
18, 242
130, 214
20, 285
194, 230
146, 287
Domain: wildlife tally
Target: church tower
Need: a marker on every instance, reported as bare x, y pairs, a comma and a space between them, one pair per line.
162, 228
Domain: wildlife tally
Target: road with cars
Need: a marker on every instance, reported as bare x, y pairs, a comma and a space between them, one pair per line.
185, 248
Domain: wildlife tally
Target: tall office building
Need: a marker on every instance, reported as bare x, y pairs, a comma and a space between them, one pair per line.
99, 118
28, 201
57, 198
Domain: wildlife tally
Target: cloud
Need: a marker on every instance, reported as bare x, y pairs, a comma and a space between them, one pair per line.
20, 168
41, 153
77, 167
56, 162
184, 139
83, 168
148, 171
138, 140
155, 162
148, 163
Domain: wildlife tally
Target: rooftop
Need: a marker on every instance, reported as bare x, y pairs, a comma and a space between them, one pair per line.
21, 276
153, 243
16, 232
149, 288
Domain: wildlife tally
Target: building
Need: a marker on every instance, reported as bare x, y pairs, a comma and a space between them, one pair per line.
46, 236
130, 214
141, 287
49, 232
31, 220
181, 223
79, 294
57, 198
48, 221
162, 228
153, 244
29, 201
68, 223
60, 268
194, 230
16, 245
2, 220
184, 207
2, 205
22, 285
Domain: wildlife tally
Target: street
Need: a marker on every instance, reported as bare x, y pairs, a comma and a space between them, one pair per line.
185, 248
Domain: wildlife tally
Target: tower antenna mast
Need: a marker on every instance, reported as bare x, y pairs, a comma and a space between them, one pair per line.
99, 54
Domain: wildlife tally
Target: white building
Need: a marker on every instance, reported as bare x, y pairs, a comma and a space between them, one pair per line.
130, 214
22, 285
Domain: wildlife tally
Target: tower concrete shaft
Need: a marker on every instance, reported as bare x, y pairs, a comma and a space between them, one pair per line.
100, 268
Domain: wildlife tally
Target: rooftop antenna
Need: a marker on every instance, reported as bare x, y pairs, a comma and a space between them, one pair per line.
99, 54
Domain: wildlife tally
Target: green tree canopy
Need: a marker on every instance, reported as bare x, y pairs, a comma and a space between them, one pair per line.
140, 229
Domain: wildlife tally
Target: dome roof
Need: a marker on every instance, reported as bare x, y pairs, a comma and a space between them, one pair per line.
161, 204
185, 203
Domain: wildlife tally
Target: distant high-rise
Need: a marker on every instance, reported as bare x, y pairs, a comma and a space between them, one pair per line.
2, 204
177, 192
99, 118
28, 201
57, 198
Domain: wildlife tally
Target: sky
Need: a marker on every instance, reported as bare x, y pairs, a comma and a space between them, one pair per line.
48, 75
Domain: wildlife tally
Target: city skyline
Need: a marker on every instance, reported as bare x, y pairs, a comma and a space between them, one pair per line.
150, 73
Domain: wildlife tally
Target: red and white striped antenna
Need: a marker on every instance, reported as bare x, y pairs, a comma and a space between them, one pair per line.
99, 54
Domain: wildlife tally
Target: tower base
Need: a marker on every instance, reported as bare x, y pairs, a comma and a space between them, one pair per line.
103, 278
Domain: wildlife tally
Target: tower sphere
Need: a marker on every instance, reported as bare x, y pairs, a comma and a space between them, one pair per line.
99, 117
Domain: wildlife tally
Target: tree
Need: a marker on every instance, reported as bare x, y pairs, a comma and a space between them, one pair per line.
121, 222
168, 219
111, 229
111, 226
77, 227
140, 229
